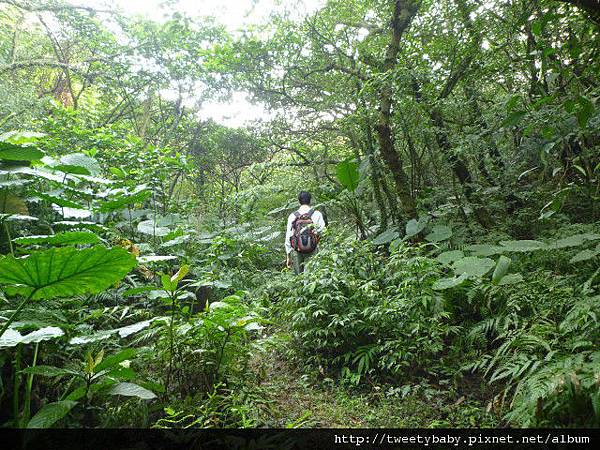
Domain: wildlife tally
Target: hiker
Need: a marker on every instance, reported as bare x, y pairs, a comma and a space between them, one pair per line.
302, 233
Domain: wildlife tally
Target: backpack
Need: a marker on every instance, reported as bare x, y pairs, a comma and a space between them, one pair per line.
304, 238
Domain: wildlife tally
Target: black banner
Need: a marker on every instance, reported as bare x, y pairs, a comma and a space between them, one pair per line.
296, 439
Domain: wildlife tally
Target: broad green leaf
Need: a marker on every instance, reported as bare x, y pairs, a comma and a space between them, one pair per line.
449, 257
78, 164
35, 172
439, 233
473, 266
59, 201
134, 328
167, 284
523, 246
87, 339
348, 175
120, 202
150, 228
66, 272
51, 413
386, 237
80, 392
118, 172
91, 179
414, 226
12, 337
115, 359
176, 241
511, 278
584, 255
571, 241
106, 334
182, 272
585, 111
132, 390
501, 269
514, 118
448, 283
80, 224
64, 238
72, 213
12, 152
21, 137
484, 249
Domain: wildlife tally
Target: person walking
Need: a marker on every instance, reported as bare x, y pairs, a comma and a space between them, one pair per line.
303, 232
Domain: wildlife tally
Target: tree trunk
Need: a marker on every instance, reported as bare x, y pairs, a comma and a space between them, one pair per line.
459, 167
404, 11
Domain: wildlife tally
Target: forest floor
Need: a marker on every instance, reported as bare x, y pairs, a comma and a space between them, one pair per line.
293, 399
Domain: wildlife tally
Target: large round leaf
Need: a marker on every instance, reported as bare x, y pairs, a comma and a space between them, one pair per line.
448, 283
65, 272
348, 175
450, 257
79, 164
484, 249
439, 233
386, 237
472, 266
414, 226
149, 227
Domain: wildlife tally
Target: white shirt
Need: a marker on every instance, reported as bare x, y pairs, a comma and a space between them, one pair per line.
317, 219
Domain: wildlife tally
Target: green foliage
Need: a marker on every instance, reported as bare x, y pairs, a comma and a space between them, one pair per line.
65, 272
351, 315
51, 413
348, 175
12, 152
64, 238
133, 225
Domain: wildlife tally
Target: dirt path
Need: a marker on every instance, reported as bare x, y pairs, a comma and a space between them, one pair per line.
292, 400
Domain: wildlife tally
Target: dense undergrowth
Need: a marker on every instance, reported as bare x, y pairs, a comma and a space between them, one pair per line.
186, 339
142, 274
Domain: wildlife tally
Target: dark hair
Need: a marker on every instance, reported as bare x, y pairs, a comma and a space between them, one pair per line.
304, 198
